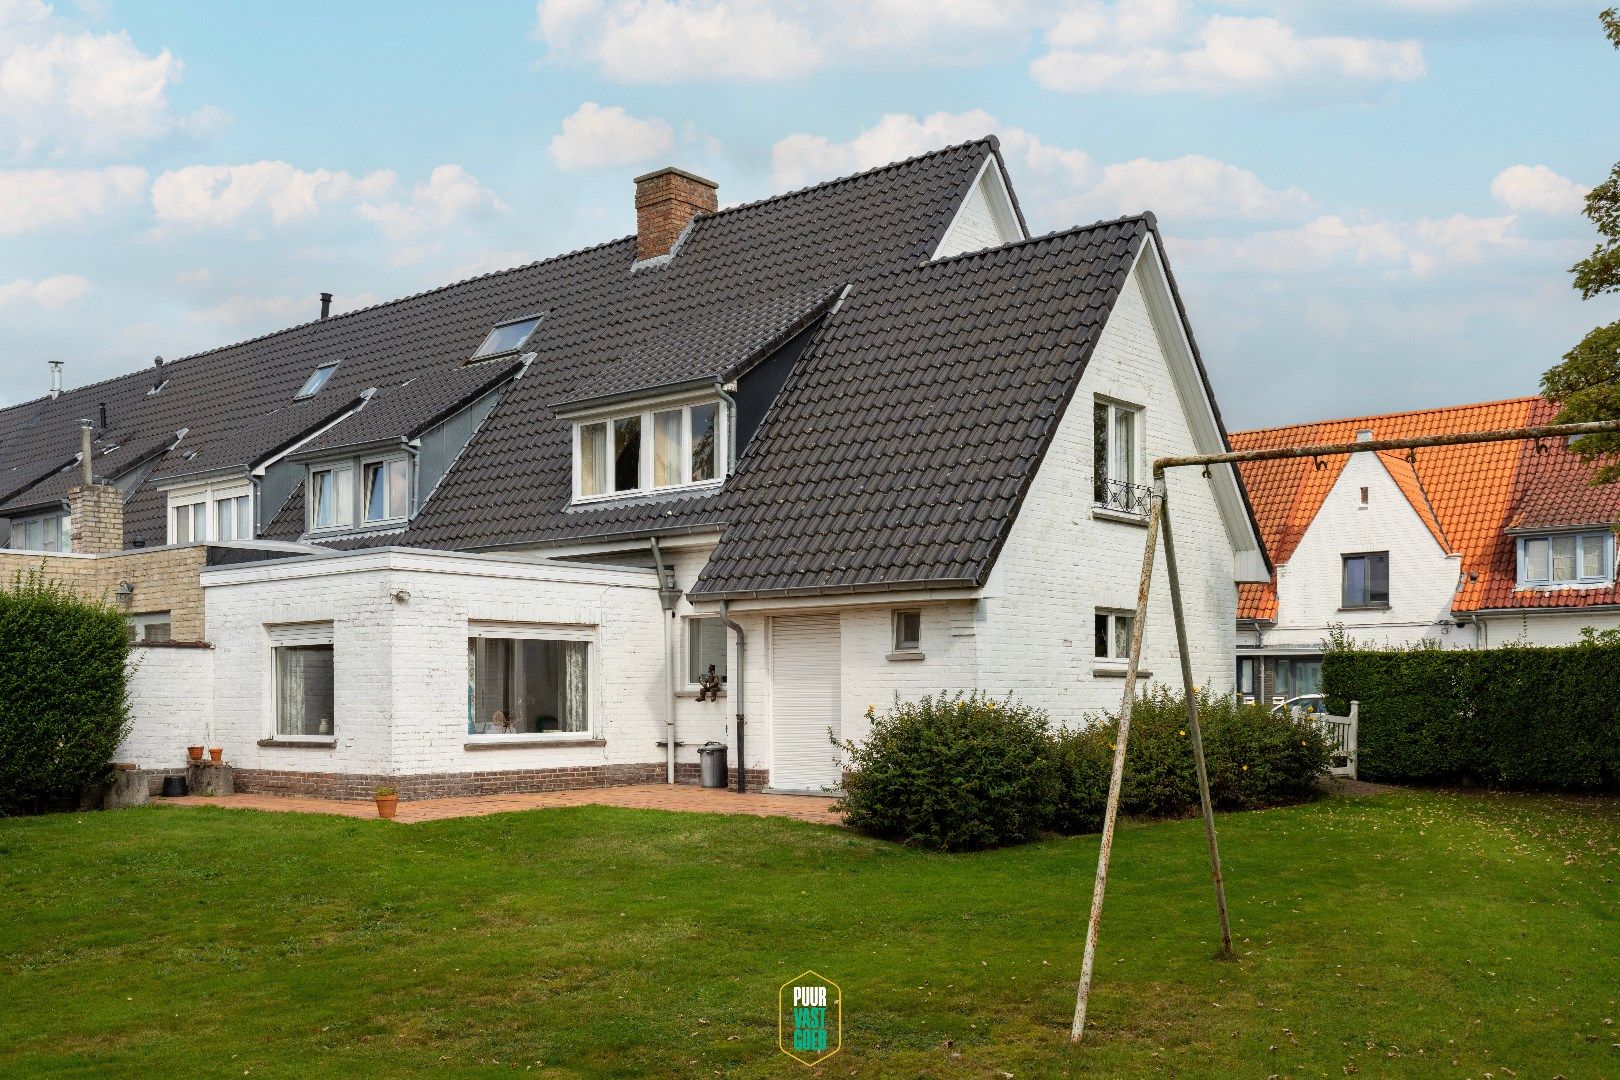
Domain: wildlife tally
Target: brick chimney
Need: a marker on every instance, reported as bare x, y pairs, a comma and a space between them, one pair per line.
96, 511
666, 202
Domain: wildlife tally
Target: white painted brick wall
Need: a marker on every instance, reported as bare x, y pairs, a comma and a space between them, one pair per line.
1060, 563
1535, 629
1422, 576
170, 706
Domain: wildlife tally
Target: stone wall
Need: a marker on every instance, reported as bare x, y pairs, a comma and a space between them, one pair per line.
164, 579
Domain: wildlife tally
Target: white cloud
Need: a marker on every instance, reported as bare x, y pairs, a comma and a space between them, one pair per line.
661, 41
226, 195
597, 136
1058, 186
36, 198
1536, 189
51, 292
1334, 243
1149, 46
64, 91
261, 312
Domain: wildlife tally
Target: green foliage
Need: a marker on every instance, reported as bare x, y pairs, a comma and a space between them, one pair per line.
62, 694
1517, 717
952, 772
1085, 763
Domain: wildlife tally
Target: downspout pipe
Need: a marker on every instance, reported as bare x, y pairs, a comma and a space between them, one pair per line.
731, 435
668, 596
736, 688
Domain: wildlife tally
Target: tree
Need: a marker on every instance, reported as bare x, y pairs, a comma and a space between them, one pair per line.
1586, 384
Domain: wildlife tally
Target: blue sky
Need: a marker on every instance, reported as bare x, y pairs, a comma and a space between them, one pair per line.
1369, 207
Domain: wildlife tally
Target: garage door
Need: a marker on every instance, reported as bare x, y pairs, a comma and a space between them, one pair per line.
804, 703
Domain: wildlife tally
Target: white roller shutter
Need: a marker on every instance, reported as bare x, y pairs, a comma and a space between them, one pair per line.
805, 703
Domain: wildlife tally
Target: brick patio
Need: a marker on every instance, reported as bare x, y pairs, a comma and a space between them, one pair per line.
680, 797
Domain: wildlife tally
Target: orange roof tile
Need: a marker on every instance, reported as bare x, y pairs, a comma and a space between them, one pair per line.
1466, 495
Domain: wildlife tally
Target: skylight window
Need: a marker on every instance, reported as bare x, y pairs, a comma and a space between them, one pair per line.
316, 380
507, 337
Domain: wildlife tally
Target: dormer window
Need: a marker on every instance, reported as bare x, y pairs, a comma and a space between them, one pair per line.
507, 337
51, 532
316, 380
387, 488
331, 497
653, 449
1566, 560
359, 493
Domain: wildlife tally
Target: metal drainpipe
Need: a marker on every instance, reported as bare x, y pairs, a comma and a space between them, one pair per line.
253, 486
737, 689
668, 596
413, 451
731, 431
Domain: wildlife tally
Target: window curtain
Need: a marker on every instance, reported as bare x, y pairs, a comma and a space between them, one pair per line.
576, 687
667, 448
593, 459
304, 690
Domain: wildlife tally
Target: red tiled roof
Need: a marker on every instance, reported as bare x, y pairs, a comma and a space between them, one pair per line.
1467, 496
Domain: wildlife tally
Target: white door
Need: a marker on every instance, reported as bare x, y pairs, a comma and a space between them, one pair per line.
805, 703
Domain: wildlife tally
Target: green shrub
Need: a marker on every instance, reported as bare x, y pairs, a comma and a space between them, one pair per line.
952, 772
1254, 760
62, 696
1519, 716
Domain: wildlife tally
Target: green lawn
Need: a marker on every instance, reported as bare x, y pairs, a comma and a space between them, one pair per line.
1415, 934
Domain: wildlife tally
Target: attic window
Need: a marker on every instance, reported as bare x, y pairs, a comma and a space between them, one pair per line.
507, 337
316, 380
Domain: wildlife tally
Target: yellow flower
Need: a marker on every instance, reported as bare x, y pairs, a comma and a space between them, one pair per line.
1245, 768
1183, 734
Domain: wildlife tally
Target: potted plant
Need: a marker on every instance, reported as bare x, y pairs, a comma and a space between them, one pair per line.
387, 802
216, 754
194, 753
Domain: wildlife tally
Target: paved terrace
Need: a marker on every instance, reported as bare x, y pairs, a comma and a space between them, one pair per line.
680, 797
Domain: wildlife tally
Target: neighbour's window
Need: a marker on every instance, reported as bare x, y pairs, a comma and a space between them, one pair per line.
53, 532
190, 523
1247, 682
1564, 559
705, 647
527, 685
1294, 677
1366, 580
654, 449
151, 626
233, 518
1116, 439
331, 497
1113, 634
907, 631
304, 680
386, 485
507, 337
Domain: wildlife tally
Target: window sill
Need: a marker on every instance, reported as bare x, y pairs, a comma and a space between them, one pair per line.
908, 654
527, 742
1124, 517
1117, 671
691, 695
704, 487
312, 742
1365, 607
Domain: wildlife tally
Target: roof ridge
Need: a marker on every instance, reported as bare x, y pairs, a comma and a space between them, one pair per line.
990, 141
1392, 415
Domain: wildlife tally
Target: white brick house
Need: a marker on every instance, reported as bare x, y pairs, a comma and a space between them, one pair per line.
863, 440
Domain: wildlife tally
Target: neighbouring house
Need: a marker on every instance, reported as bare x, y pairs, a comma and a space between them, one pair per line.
863, 439
1465, 546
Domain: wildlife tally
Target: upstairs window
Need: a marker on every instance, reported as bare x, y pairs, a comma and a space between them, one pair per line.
331, 497
53, 532
1112, 636
387, 488
1564, 560
1116, 438
1366, 580
650, 450
189, 523
233, 518
211, 513
508, 337
316, 380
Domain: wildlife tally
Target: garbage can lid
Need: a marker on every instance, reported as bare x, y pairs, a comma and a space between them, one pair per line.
711, 746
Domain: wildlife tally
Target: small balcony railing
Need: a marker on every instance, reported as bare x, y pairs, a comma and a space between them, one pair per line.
1121, 497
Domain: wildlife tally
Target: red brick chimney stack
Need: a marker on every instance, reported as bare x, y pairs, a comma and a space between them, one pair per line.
666, 202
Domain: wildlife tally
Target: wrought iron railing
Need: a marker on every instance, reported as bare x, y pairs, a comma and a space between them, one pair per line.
1121, 496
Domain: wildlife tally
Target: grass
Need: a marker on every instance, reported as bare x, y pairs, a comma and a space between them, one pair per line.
1412, 934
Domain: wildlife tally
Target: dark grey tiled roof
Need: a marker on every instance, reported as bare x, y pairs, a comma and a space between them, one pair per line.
111, 458
901, 447
413, 406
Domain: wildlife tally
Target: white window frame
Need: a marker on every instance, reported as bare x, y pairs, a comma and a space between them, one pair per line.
649, 436
895, 618
1580, 580
394, 514
311, 527
141, 623
687, 641
288, 634
209, 495
547, 632
238, 503
21, 526
479, 355
1114, 616
1111, 500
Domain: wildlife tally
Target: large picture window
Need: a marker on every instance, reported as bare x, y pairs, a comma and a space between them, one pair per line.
304, 680
1366, 580
527, 685
649, 450
1566, 559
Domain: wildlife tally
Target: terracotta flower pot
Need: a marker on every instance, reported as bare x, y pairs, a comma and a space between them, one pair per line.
216, 754
194, 752
387, 805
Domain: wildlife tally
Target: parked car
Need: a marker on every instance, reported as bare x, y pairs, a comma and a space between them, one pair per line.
1304, 705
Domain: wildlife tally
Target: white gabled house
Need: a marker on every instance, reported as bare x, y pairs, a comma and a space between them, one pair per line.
864, 439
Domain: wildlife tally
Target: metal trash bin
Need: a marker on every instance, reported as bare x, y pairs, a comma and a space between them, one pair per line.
713, 756
174, 787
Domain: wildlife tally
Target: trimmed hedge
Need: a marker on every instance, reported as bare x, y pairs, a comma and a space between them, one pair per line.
63, 707
958, 772
1517, 717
